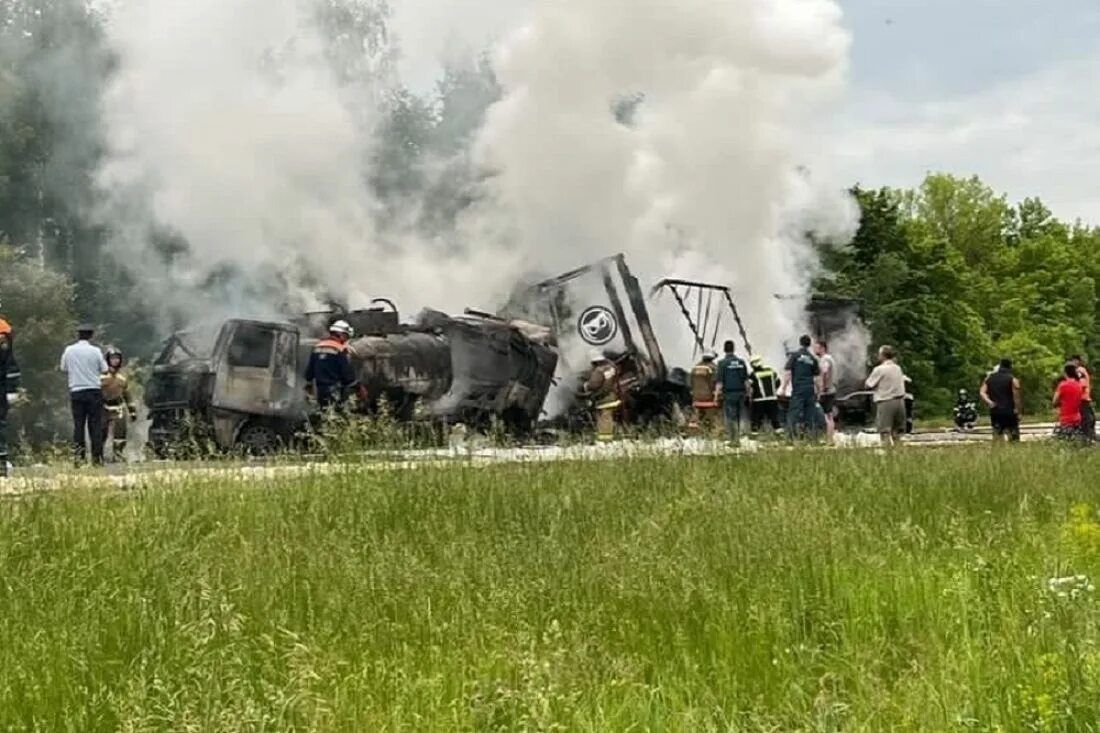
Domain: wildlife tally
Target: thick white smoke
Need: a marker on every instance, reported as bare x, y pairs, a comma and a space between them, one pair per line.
225, 127
704, 179
228, 127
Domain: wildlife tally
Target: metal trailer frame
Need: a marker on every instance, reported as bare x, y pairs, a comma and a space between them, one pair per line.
548, 288
700, 324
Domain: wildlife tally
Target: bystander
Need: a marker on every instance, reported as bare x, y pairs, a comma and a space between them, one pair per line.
887, 381
85, 364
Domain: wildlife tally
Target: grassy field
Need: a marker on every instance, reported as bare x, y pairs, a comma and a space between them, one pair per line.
817, 591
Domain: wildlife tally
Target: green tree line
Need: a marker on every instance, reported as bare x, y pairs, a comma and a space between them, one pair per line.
956, 277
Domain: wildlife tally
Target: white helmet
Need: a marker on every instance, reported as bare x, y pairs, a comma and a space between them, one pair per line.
342, 327
597, 357
709, 356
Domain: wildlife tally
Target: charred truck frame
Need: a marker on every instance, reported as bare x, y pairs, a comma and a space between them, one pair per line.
248, 390
601, 308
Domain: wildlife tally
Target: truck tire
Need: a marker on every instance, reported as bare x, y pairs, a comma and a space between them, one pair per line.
258, 439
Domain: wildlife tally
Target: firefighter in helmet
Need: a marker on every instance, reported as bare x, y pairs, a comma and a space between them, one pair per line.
602, 387
330, 375
118, 407
704, 397
764, 382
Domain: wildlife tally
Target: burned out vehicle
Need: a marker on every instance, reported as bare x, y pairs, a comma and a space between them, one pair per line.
247, 391
601, 308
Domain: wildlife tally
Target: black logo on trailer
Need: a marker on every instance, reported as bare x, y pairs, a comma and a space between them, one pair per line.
597, 325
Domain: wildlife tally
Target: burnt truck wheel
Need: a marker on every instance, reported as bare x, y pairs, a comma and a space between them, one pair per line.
258, 439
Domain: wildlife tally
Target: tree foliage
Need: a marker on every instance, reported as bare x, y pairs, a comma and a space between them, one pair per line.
956, 277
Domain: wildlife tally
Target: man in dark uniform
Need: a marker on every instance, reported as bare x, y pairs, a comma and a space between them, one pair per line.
1001, 393
9, 385
765, 394
330, 374
733, 377
801, 373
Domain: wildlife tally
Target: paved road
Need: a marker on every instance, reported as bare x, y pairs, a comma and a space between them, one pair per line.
163, 474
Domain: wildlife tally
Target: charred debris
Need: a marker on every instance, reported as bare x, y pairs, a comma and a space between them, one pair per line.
244, 387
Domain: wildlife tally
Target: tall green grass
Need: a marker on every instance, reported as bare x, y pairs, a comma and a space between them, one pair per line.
802, 591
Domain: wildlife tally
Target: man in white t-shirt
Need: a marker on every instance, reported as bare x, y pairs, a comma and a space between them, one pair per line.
826, 393
84, 364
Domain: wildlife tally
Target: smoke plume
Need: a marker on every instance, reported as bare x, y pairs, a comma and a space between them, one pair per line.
699, 174
232, 133
676, 132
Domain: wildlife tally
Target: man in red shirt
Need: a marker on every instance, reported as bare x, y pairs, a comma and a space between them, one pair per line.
1068, 398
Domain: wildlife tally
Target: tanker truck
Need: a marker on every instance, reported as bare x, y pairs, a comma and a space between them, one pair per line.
244, 389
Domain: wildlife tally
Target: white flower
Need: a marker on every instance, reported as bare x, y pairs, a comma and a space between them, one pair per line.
1070, 586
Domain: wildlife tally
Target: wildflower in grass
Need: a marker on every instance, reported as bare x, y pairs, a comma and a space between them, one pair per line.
1070, 586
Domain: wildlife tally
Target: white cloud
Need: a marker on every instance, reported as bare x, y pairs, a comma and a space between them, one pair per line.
1032, 136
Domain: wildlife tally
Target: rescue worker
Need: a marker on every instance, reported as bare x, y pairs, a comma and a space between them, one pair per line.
765, 394
733, 379
118, 406
704, 395
9, 390
801, 374
602, 388
330, 376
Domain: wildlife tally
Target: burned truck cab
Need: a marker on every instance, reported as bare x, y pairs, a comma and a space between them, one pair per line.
245, 390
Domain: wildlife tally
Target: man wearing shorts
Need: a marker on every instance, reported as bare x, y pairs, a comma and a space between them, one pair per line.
1001, 393
826, 394
887, 381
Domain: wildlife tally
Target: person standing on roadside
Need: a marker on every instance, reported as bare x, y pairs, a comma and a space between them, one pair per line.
1088, 414
801, 374
85, 365
1001, 394
765, 395
887, 381
9, 390
733, 379
704, 394
826, 394
1069, 396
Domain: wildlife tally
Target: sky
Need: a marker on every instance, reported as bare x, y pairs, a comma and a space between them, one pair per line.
1004, 89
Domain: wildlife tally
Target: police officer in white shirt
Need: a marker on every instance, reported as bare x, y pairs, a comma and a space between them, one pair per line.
85, 364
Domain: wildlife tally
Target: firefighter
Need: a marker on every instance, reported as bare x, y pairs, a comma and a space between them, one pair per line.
765, 394
9, 390
704, 396
118, 407
602, 387
733, 377
801, 374
330, 376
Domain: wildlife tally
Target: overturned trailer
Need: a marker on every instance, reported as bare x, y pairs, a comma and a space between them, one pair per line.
248, 389
601, 308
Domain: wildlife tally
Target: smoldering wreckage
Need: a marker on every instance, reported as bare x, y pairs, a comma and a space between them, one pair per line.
520, 369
